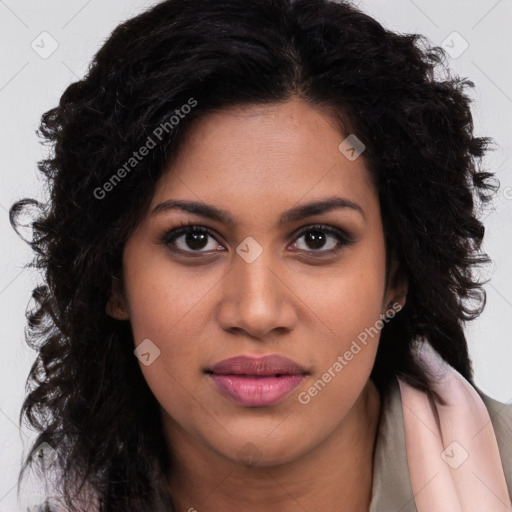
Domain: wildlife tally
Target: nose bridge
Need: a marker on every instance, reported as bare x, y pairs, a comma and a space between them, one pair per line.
255, 279
255, 299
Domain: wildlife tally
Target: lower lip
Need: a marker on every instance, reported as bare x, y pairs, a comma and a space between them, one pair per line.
253, 391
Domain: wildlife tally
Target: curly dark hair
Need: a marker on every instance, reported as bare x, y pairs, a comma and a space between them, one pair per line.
394, 91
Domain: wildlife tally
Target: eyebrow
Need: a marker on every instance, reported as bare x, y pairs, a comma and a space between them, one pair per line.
292, 215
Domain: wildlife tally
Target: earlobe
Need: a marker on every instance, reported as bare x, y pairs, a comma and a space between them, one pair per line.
400, 287
116, 304
400, 293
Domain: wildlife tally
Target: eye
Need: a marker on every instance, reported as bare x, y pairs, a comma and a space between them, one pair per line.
191, 238
322, 239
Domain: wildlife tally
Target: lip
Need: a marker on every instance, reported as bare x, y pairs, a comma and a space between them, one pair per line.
256, 381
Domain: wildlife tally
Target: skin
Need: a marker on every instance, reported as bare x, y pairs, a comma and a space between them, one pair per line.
257, 162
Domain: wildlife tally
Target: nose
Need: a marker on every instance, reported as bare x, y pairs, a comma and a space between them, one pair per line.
256, 299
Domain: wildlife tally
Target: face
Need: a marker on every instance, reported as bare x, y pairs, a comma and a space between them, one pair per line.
258, 275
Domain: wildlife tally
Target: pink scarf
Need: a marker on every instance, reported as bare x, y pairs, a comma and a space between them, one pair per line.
454, 462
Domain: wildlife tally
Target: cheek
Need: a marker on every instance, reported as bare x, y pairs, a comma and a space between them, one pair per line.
172, 315
349, 305
171, 310
162, 300
349, 300
174, 319
345, 355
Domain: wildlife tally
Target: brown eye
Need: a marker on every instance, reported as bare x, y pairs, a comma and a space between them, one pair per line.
322, 239
196, 240
315, 239
191, 239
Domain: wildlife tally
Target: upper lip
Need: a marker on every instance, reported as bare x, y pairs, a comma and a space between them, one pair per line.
272, 364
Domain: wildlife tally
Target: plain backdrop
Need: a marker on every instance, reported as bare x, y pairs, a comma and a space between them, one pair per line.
47, 45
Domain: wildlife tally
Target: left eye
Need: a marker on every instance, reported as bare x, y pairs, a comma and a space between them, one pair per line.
320, 239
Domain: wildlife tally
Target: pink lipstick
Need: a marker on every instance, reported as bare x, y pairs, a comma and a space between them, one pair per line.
256, 381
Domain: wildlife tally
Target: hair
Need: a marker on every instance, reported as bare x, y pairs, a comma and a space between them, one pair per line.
393, 91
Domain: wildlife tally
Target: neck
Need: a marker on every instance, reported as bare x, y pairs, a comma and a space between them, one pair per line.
336, 475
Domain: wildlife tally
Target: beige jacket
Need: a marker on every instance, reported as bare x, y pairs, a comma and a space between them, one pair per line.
392, 490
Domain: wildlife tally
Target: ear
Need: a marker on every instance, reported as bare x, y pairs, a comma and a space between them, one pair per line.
398, 286
116, 305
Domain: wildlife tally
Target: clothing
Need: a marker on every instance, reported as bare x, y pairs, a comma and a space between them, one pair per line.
400, 445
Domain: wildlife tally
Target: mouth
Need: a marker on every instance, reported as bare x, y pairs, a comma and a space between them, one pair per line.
255, 381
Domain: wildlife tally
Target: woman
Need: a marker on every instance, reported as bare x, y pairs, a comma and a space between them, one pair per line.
258, 257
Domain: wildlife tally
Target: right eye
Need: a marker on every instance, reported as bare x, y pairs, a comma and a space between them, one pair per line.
191, 238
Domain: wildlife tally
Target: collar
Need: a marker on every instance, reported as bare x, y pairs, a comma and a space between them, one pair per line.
391, 488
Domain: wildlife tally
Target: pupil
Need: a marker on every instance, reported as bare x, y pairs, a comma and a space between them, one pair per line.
196, 240
315, 239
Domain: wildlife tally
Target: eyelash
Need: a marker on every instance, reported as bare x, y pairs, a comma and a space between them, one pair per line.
344, 239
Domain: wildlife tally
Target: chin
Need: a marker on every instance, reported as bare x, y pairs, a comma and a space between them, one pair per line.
260, 452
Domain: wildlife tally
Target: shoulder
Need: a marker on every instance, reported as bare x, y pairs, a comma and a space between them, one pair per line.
500, 414
501, 419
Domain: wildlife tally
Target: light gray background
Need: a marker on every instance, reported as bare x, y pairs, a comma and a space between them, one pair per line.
30, 85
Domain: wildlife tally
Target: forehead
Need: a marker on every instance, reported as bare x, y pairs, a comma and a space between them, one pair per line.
248, 156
